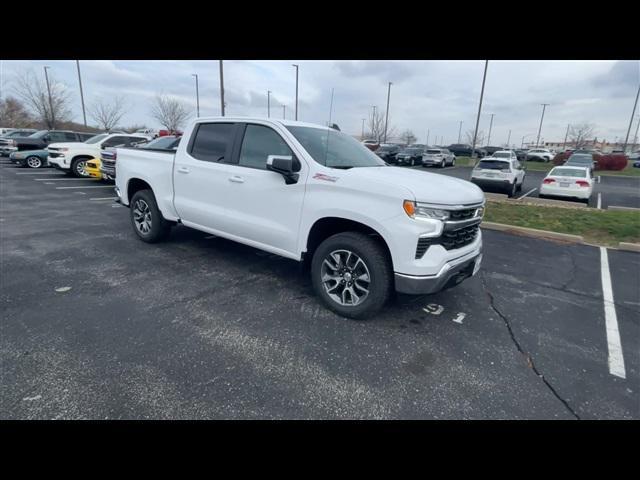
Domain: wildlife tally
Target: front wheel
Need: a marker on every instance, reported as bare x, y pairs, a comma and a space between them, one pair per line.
146, 218
79, 168
352, 275
453, 162
33, 162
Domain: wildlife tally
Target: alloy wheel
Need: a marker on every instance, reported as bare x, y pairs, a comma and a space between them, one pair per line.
142, 216
345, 278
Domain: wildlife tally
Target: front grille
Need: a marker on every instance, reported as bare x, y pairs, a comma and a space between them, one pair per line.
456, 215
108, 166
54, 154
450, 239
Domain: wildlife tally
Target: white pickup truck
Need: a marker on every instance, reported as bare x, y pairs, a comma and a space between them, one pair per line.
310, 193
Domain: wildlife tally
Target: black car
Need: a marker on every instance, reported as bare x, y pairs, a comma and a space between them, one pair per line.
521, 155
464, 150
388, 152
41, 139
581, 160
410, 156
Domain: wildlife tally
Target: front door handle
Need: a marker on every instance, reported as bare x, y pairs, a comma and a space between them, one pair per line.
183, 170
236, 179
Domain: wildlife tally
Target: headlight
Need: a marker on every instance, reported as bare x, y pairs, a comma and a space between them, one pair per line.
419, 211
63, 149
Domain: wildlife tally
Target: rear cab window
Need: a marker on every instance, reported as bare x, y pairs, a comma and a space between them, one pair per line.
212, 142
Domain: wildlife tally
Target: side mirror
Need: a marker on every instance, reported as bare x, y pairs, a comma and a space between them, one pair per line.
285, 166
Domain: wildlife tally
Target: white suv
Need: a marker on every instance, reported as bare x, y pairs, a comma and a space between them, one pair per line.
73, 157
501, 171
539, 154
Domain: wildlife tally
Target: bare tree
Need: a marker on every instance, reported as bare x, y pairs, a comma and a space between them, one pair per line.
580, 133
408, 137
375, 127
107, 113
32, 90
169, 112
479, 138
13, 113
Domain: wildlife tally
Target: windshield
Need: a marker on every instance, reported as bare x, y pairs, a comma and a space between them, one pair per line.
568, 172
386, 148
502, 155
493, 165
97, 138
39, 133
335, 149
162, 142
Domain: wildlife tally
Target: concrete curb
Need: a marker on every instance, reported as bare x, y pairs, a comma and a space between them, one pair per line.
532, 232
630, 209
629, 247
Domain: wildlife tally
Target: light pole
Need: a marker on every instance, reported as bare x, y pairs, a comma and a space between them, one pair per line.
362, 136
428, 132
296, 91
508, 138
544, 106
331, 107
490, 126
221, 89
564, 144
475, 133
635, 137
84, 115
284, 107
460, 131
386, 120
53, 119
268, 103
624, 149
197, 95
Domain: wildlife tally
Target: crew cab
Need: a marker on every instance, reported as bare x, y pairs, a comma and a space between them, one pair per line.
310, 193
41, 139
501, 171
73, 157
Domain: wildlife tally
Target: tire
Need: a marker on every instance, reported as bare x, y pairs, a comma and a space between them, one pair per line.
377, 267
453, 162
146, 219
78, 168
33, 162
442, 163
512, 190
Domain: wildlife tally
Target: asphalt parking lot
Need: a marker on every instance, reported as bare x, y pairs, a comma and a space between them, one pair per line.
616, 191
97, 324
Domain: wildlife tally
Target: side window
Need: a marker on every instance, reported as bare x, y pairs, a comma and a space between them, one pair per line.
71, 137
136, 140
212, 141
114, 141
258, 143
58, 137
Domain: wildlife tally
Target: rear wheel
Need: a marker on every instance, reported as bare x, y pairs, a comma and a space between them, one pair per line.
352, 275
442, 163
512, 189
33, 162
146, 218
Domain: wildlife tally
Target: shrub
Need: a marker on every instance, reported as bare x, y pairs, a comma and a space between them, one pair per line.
561, 157
614, 161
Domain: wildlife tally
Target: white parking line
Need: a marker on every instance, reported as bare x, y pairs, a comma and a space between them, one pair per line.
92, 186
598, 178
40, 173
599, 206
616, 360
66, 179
103, 198
528, 193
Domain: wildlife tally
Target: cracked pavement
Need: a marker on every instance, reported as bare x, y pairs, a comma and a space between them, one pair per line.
202, 327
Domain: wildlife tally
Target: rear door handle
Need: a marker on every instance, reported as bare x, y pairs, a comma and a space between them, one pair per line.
236, 179
183, 170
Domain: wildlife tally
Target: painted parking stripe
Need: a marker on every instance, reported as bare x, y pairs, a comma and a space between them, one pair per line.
103, 198
528, 193
616, 360
67, 179
92, 186
40, 173
599, 206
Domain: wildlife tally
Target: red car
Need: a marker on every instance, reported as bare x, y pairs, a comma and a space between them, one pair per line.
372, 145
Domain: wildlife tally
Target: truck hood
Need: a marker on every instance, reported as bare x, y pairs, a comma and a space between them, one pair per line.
88, 146
426, 187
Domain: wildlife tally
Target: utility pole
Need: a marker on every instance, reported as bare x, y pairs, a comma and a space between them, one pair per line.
53, 118
331, 107
428, 132
544, 106
386, 120
268, 103
624, 149
490, 125
221, 89
635, 137
296, 91
84, 114
460, 131
284, 115
197, 95
564, 145
475, 133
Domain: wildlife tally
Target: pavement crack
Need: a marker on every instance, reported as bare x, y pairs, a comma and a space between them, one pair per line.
529, 359
574, 270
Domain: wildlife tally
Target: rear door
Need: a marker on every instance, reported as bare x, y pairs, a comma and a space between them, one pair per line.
201, 176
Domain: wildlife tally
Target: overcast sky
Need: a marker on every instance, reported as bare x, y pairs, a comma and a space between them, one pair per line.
434, 95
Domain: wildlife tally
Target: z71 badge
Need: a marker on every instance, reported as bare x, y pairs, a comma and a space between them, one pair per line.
326, 178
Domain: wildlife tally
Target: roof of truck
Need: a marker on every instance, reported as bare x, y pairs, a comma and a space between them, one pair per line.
281, 121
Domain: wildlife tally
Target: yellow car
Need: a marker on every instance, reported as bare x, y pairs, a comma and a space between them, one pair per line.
92, 167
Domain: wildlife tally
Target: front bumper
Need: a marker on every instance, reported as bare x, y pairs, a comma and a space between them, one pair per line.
58, 162
452, 273
498, 183
581, 193
5, 150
